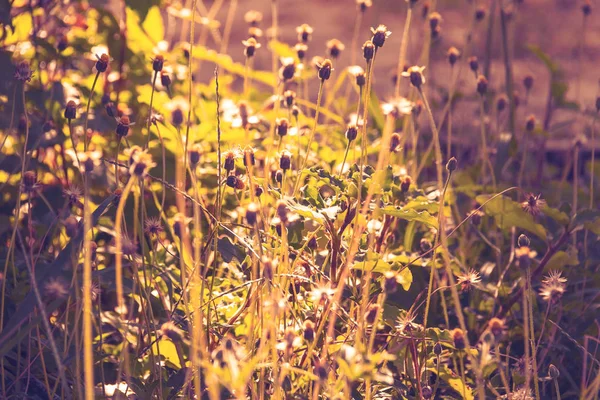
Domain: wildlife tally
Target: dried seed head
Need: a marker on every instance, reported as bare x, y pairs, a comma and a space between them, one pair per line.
334, 48
434, 20
501, 103
165, 79
553, 287
497, 327
458, 338
586, 8
308, 328
194, 153
229, 163
480, 13
301, 50
415, 74
249, 158
325, 69
157, 63
102, 63
351, 132
395, 142
405, 183
379, 35
482, 85
288, 69
111, 110
452, 164
290, 98
427, 392
453, 55
251, 214
71, 110
142, 163
282, 126
533, 205
56, 288
267, 271
474, 64
232, 181
523, 241
250, 46
153, 226
304, 33
368, 50
530, 123
390, 282
528, 82
285, 161
30, 181
282, 211
425, 245
437, 349
258, 191
123, 125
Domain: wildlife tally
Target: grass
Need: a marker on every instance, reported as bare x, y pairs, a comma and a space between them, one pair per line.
290, 231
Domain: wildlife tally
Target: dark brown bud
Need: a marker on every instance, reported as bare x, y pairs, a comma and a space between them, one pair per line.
111, 111
480, 13
249, 158
285, 162
325, 69
229, 163
123, 126
71, 110
301, 49
452, 164
530, 123
528, 82
453, 55
282, 125
288, 71
71, 226
405, 184
232, 181
309, 330
102, 63
425, 245
434, 20
351, 132
394, 142
368, 50
165, 79
501, 103
258, 191
177, 117
390, 282
523, 241
586, 8
251, 214
473, 64
496, 327
195, 154
380, 34
29, 180
458, 337
437, 349
290, 97
158, 63
482, 85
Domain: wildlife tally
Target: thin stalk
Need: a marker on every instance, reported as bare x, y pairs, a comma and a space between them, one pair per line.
576, 184
531, 327
87, 112
484, 149
88, 353
151, 101
526, 331
403, 48
344, 161
228, 25
310, 139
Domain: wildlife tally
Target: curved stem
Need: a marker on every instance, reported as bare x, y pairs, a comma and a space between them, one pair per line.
87, 112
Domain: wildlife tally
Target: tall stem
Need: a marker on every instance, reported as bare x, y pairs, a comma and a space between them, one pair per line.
87, 112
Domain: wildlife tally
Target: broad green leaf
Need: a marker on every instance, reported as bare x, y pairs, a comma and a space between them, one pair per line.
282, 49
557, 215
138, 40
168, 351
153, 25
562, 259
411, 215
142, 7
588, 219
509, 214
23, 26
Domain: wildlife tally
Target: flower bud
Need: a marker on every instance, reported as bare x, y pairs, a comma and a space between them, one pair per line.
251, 214
482, 85
285, 162
458, 337
368, 50
325, 69
71, 110
351, 132
405, 184
451, 165
530, 123
102, 63
523, 241
157, 63
528, 82
123, 126
282, 125
309, 330
473, 64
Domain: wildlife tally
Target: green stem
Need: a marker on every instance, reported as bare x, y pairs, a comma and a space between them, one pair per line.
87, 112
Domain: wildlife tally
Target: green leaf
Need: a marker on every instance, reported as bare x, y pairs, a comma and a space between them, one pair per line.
587, 219
138, 41
411, 215
142, 6
168, 351
557, 215
543, 57
562, 259
229, 251
153, 25
509, 214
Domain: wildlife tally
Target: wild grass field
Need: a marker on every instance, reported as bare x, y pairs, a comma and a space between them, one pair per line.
216, 200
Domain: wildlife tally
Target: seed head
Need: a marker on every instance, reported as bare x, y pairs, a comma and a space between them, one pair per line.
451, 165
71, 226
458, 337
497, 327
56, 288
501, 103
123, 125
395, 142
325, 69
468, 279
480, 13
528, 82
530, 123
251, 214
415, 74
351, 132
232, 181
390, 282
153, 227
285, 161
142, 163
523, 241
334, 48
437, 349
102, 63
250, 47
553, 287
453, 55
309, 330
473, 64
368, 50
434, 20
71, 110
553, 372
290, 98
194, 153
157, 63
586, 8
304, 33
379, 35
482, 85
249, 158
405, 183
288, 69
165, 79
177, 117
301, 50
533, 204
